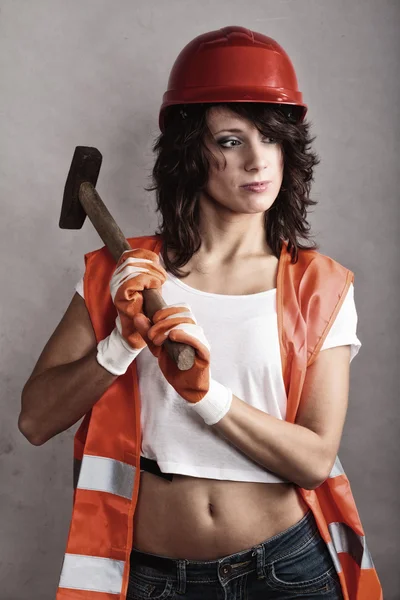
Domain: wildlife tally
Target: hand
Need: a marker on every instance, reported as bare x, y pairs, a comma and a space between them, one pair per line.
136, 270
208, 398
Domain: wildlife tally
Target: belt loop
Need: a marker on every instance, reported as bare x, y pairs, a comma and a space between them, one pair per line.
181, 575
260, 552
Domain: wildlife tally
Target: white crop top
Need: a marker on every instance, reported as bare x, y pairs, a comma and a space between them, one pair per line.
245, 356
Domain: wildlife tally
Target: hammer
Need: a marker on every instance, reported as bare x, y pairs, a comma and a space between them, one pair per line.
81, 199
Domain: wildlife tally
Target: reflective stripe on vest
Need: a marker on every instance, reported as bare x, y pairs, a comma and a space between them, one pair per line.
337, 469
344, 538
106, 475
91, 573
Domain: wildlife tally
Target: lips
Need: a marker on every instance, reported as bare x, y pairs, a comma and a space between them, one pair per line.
259, 186
251, 183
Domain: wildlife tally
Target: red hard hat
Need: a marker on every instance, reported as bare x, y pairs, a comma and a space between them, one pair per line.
233, 64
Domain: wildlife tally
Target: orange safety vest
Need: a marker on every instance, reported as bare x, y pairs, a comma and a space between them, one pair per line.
107, 444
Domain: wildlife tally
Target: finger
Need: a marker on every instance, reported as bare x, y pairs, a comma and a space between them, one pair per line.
187, 333
160, 330
168, 317
173, 310
142, 324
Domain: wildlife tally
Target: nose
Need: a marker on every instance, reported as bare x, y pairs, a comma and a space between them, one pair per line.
257, 157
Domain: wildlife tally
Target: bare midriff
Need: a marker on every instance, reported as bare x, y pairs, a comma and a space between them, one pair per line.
206, 519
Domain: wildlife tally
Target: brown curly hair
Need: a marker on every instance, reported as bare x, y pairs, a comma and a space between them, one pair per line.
181, 170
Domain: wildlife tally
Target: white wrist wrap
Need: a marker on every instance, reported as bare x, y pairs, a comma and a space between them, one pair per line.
215, 403
115, 354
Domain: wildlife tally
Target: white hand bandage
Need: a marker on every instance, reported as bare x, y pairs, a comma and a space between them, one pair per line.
215, 404
115, 354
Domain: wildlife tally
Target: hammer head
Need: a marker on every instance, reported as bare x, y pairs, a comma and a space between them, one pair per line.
85, 166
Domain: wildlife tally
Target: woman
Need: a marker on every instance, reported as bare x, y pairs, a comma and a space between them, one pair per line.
219, 500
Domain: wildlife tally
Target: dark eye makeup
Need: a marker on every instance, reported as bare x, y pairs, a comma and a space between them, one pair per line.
224, 140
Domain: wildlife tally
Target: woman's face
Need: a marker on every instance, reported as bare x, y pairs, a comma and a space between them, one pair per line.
250, 159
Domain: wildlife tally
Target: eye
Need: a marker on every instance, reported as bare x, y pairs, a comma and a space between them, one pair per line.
233, 142
225, 141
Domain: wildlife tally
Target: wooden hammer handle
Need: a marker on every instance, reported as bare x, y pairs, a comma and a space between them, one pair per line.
114, 239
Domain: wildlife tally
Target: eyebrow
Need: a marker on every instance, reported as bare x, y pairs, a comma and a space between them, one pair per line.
230, 130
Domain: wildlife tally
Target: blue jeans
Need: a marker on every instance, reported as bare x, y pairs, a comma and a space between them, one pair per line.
293, 564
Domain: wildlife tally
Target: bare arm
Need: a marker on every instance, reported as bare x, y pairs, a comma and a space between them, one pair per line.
303, 452
67, 379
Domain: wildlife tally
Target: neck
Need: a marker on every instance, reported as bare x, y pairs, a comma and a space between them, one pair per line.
228, 237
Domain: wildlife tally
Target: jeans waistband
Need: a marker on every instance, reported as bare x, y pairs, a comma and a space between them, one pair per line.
271, 549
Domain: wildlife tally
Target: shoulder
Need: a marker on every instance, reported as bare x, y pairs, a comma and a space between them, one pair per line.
315, 269
325, 291
315, 259
144, 241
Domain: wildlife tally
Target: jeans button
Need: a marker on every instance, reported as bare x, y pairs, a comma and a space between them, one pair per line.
226, 569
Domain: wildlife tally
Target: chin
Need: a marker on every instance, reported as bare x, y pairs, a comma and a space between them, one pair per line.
261, 206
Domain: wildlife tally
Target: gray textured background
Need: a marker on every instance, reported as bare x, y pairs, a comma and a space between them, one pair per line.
92, 72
